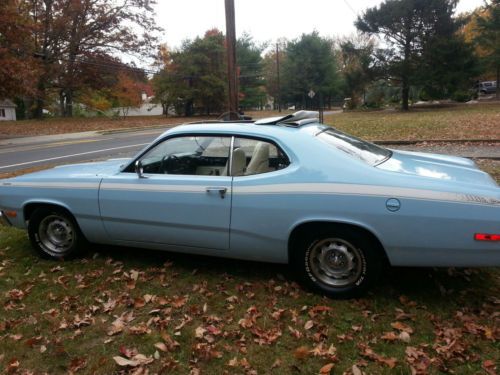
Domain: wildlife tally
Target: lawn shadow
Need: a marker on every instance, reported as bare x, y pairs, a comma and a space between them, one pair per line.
433, 287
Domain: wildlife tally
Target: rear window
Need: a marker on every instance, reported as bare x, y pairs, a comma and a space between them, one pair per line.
362, 150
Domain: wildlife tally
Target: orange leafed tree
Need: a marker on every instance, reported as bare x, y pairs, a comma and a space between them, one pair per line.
17, 67
126, 93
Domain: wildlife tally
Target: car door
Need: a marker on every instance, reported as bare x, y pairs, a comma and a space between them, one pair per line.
182, 198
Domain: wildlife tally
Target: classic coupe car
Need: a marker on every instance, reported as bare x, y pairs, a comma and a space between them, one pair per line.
285, 190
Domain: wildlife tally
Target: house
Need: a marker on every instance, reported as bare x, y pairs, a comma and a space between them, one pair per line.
7, 110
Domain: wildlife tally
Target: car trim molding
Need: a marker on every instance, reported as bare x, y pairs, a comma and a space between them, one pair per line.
367, 190
53, 185
155, 187
293, 188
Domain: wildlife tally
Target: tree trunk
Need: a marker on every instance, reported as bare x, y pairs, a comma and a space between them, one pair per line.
498, 82
69, 103
40, 99
405, 93
61, 103
405, 76
42, 81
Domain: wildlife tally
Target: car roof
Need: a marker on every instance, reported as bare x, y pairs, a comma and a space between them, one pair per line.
273, 131
274, 127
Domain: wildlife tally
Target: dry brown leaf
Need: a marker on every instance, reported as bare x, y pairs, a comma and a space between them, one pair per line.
356, 370
326, 369
199, 332
161, 346
120, 361
389, 336
301, 352
402, 327
77, 364
309, 324
276, 363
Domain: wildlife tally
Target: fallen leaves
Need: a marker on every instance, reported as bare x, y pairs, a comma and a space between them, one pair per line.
402, 327
151, 321
137, 360
119, 323
326, 369
368, 353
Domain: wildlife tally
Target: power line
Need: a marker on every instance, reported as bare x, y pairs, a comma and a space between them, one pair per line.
350, 7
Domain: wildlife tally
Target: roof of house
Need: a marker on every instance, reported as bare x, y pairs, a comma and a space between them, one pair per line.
7, 103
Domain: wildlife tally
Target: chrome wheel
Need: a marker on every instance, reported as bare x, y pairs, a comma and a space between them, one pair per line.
56, 234
335, 262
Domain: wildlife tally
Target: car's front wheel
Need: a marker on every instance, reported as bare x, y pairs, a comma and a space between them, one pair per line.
54, 233
341, 263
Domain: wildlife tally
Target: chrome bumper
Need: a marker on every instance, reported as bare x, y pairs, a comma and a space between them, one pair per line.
4, 221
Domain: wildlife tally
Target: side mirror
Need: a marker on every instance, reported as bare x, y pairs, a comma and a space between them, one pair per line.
139, 169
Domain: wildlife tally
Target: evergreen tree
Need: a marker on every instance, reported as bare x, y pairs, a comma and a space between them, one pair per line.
421, 35
488, 38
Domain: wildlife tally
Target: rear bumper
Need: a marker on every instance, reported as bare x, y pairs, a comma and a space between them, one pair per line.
4, 221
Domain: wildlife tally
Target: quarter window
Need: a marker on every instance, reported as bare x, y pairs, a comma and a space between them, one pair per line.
254, 156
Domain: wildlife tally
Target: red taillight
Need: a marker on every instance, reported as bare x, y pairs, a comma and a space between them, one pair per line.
486, 237
12, 214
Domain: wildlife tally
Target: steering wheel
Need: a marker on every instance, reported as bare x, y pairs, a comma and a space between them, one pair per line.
167, 161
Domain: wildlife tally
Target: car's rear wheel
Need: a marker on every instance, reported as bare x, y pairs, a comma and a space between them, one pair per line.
341, 263
54, 233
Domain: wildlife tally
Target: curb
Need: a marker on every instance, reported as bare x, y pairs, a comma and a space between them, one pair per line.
130, 130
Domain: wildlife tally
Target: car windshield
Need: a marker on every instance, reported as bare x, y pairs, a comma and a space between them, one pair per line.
362, 150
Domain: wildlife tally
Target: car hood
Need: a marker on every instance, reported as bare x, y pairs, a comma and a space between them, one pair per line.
81, 170
435, 166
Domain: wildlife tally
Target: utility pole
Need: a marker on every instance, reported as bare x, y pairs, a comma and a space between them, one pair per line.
231, 59
278, 75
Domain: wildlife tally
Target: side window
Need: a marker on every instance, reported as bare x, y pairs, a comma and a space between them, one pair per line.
255, 156
192, 155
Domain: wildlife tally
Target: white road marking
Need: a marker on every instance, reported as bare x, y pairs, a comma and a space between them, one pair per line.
69, 156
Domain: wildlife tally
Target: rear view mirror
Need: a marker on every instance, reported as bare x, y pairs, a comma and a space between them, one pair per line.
139, 169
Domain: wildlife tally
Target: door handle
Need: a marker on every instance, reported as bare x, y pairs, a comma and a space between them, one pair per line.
216, 189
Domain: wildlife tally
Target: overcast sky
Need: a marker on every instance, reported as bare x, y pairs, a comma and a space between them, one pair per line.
266, 20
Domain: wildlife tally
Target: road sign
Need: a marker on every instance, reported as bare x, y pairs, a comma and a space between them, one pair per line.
311, 93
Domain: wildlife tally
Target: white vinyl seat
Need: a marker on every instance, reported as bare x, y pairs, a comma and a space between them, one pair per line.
239, 163
260, 159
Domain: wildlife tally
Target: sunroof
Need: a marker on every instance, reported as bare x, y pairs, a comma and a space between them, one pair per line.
297, 119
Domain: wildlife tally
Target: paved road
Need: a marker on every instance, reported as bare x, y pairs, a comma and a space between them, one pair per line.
21, 153
29, 152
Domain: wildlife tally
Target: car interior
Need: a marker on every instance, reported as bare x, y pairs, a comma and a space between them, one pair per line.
208, 156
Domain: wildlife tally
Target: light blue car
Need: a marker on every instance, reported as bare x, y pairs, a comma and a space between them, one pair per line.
284, 190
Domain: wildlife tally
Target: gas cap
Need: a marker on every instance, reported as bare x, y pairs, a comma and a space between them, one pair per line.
393, 204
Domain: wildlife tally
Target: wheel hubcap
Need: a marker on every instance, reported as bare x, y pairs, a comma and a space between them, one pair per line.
335, 262
56, 234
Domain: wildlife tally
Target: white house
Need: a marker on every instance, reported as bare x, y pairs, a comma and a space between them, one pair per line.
7, 110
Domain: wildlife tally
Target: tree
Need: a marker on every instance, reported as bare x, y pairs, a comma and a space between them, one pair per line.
488, 38
126, 93
194, 77
71, 34
270, 63
17, 67
249, 60
447, 68
357, 64
310, 64
408, 26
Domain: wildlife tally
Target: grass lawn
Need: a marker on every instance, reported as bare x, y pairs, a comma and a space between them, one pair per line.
122, 310
481, 121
